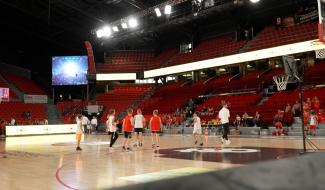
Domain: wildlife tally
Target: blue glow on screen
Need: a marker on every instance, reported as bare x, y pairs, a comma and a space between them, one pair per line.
69, 70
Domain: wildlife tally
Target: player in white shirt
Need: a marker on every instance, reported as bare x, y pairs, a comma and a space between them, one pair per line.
139, 124
313, 121
197, 131
224, 116
111, 125
85, 123
79, 131
94, 123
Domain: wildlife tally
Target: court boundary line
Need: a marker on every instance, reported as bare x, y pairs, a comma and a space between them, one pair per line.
58, 179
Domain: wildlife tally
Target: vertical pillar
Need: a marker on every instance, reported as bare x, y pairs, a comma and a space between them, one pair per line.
195, 76
87, 93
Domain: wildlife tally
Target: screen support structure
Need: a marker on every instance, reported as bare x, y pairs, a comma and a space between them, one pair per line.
321, 7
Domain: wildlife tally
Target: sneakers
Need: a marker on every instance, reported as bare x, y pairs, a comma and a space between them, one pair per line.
201, 144
78, 149
123, 148
227, 142
195, 142
222, 140
128, 149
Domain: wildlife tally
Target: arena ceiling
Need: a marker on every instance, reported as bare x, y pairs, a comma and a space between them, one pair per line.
52, 27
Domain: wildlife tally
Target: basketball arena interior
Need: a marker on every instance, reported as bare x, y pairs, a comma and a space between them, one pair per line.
162, 94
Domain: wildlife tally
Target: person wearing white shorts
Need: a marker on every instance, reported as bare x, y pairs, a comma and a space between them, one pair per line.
197, 131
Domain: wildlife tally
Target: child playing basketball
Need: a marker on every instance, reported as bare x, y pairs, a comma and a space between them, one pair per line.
139, 123
127, 127
312, 123
155, 126
197, 131
79, 132
112, 128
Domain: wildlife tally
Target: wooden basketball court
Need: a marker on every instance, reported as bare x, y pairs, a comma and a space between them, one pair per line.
51, 162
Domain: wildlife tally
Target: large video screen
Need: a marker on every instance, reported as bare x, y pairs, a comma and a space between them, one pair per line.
69, 70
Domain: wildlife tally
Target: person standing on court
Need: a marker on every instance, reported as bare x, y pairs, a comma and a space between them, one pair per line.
127, 127
112, 128
94, 123
197, 130
79, 131
139, 123
85, 122
155, 126
224, 116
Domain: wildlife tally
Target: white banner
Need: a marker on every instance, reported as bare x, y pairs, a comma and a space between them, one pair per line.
21, 130
38, 99
92, 109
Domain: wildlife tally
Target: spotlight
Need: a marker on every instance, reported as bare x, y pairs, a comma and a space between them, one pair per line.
168, 9
158, 13
254, 1
107, 31
124, 25
115, 28
133, 22
100, 33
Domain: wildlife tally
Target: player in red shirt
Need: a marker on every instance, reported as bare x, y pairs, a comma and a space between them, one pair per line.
127, 127
278, 127
155, 126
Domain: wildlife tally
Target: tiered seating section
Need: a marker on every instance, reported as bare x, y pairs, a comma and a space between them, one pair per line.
272, 37
315, 75
15, 110
280, 99
124, 62
171, 96
24, 84
212, 48
69, 110
239, 104
216, 47
121, 98
162, 58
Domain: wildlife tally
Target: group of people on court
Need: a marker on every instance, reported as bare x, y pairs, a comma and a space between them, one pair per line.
130, 123
137, 124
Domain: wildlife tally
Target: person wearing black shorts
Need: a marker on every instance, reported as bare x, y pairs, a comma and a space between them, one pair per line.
112, 128
127, 127
127, 135
139, 123
224, 116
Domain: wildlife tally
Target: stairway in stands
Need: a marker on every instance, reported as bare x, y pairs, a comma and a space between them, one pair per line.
143, 98
296, 129
53, 114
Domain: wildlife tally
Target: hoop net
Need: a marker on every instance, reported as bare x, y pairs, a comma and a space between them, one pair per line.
281, 81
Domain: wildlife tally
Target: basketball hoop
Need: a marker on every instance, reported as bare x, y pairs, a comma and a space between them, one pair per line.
281, 81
